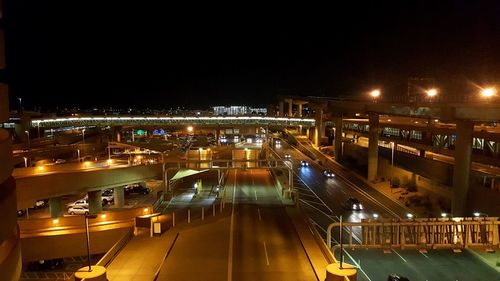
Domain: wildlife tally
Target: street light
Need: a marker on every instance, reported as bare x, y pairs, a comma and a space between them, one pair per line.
83, 136
190, 129
87, 217
25, 162
392, 162
375, 93
78, 151
488, 92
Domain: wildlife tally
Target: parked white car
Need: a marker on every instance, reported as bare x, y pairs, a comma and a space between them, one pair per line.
80, 202
78, 210
107, 196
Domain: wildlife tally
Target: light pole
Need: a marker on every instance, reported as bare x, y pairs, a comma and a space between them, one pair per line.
78, 151
29, 143
83, 136
20, 105
431, 93
38, 129
87, 217
25, 162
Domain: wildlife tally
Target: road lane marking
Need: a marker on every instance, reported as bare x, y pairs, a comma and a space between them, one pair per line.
265, 252
258, 211
255, 192
231, 228
399, 255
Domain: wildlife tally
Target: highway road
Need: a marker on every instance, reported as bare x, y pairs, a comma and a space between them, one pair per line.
322, 199
255, 240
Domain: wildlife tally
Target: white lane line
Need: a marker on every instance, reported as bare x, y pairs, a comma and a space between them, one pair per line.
358, 266
424, 254
255, 192
399, 255
265, 252
231, 228
258, 211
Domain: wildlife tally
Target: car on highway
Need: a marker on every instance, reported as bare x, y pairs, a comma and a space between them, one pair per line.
328, 174
397, 277
20, 213
288, 157
304, 163
277, 142
107, 196
353, 204
45, 264
78, 210
137, 189
60, 161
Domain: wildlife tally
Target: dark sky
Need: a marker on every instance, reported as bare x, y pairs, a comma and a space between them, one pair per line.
140, 54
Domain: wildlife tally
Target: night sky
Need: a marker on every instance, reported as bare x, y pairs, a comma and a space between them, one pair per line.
143, 55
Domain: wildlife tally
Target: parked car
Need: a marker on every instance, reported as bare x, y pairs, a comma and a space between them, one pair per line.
397, 277
39, 204
136, 189
107, 196
78, 210
20, 213
45, 264
328, 174
353, 204
304, 163
60, 161
80, 202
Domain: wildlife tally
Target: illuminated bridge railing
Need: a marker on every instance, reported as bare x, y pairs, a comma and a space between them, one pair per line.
172, 120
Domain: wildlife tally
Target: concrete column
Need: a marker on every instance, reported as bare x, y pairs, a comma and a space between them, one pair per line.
56, 207
316, 136
281, 109
422, 152
461, 169
116, 134
338, 138
308, 133
95, 202
290, 108
119, 196
373, 136
299, 110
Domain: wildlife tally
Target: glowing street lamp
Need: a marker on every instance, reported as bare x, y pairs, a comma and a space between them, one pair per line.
431, 93
375, 93
488, 92
190, 129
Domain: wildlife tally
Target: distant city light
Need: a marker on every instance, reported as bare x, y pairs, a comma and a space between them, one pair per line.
477, 214
103, 216
409, 215
444, 215
55, 221
190, 128
375, 216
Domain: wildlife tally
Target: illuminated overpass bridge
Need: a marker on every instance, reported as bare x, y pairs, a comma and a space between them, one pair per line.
208, 121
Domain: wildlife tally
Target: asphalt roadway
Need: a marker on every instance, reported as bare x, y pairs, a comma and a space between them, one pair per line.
322, 200
254, 240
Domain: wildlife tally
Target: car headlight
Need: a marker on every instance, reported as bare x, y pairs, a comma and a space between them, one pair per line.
360, 207
354, 206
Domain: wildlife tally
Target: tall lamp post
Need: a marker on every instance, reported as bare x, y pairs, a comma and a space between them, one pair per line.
375, 94
392, 161
83, 136
87, 217
29, 143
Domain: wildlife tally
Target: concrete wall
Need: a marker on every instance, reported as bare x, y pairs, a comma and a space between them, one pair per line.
437, 171
70, 245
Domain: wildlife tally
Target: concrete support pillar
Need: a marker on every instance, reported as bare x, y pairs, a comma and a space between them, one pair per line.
95, 202
373, 136
299, 110
308, 133
461, 169
119, 196
56, 207
422, 152
290, 108
281, 109
338, 138
316, 136
116, 134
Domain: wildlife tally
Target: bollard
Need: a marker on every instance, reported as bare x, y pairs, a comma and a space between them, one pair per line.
189, 215
213, 209
173, 219
202, 213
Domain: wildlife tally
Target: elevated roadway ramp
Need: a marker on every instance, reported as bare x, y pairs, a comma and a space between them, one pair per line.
32, 186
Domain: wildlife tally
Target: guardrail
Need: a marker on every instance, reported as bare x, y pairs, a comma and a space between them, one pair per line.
424, 233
